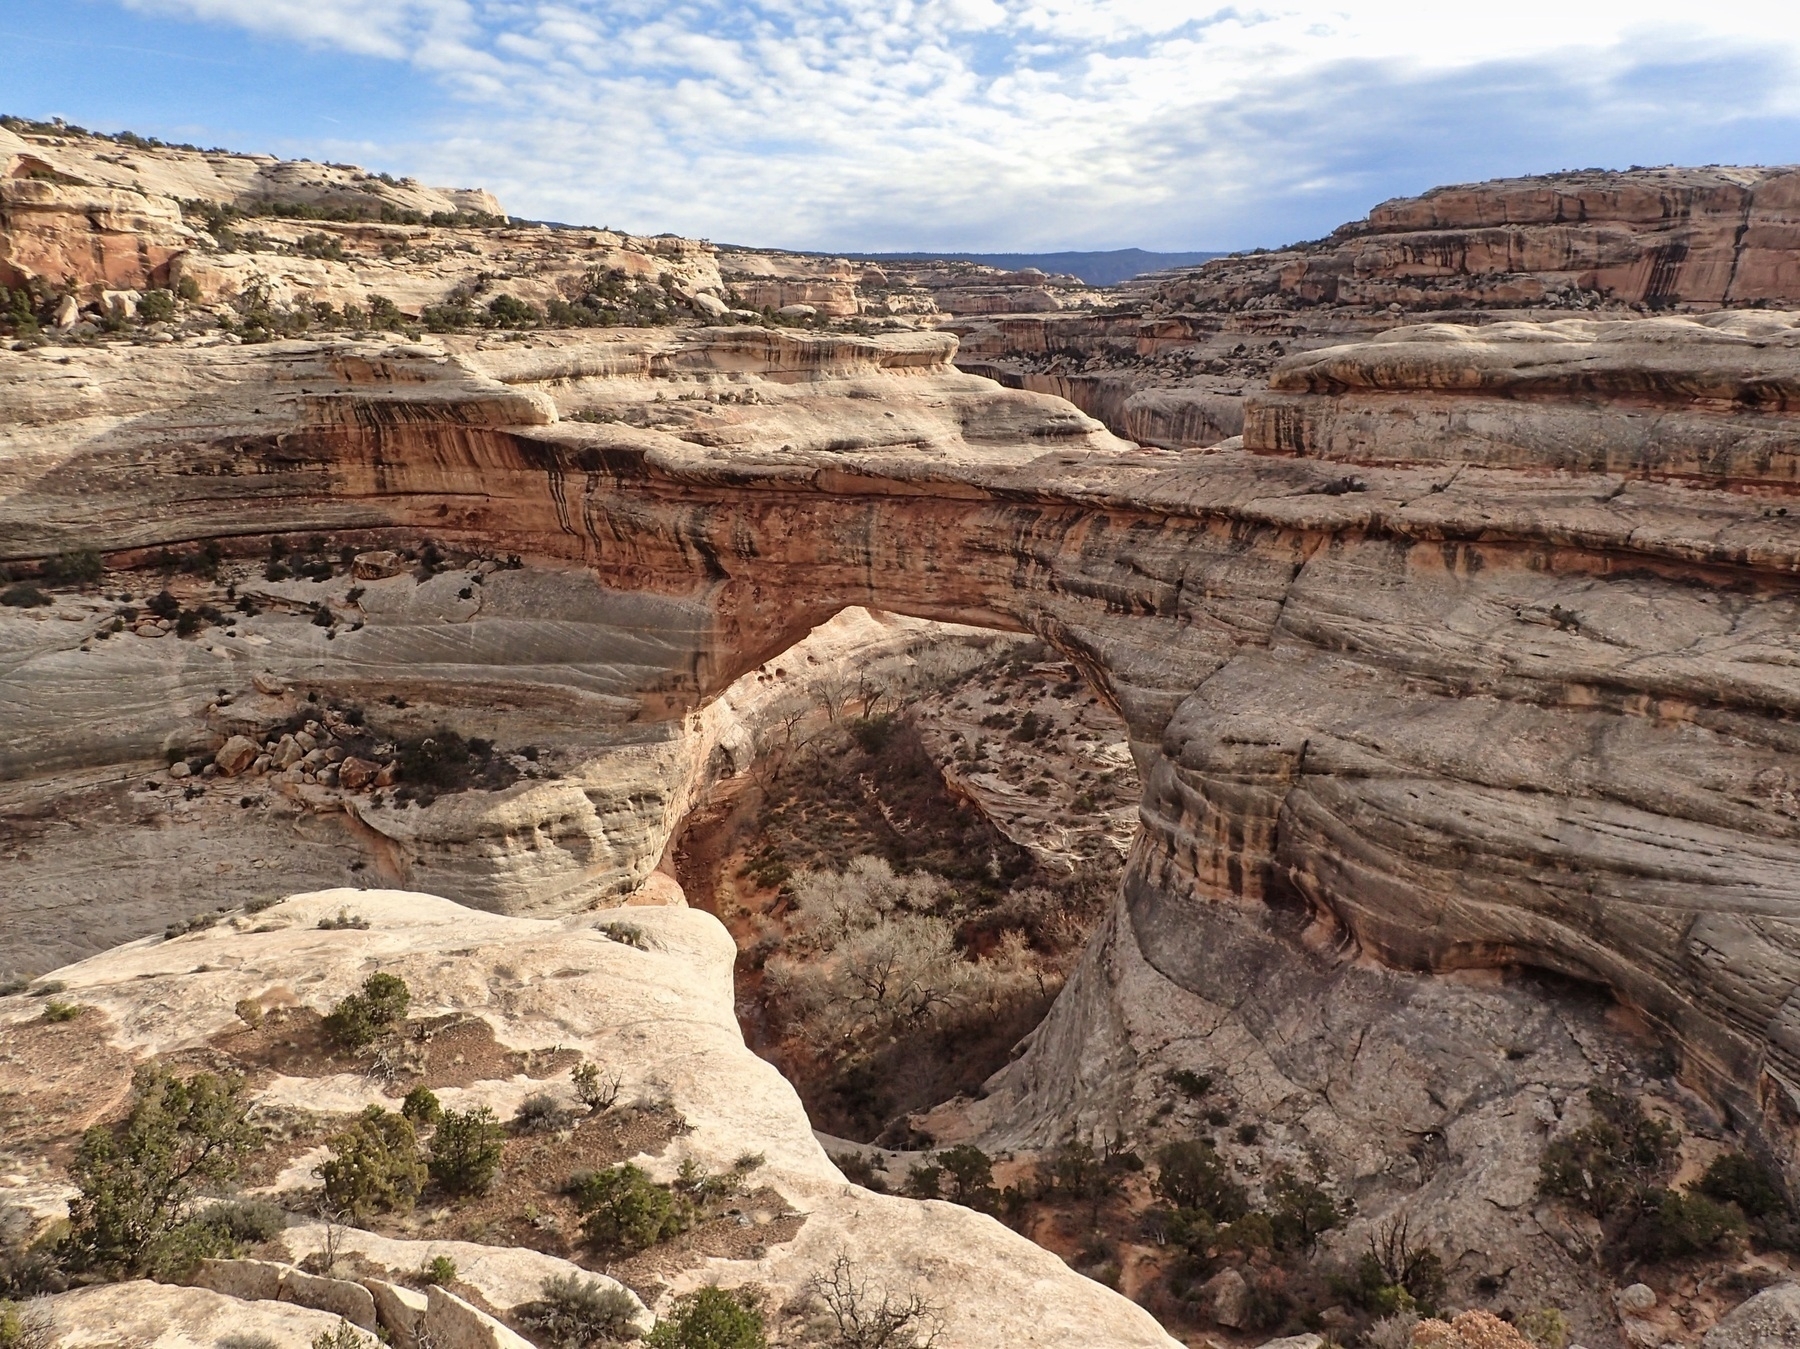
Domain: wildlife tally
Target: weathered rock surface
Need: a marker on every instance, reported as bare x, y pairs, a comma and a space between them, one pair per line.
1669, 237
663, 1015
1768, 1320
84, 210
162, 1316
1475, 654
267, 1281
1466, 713
1173, 357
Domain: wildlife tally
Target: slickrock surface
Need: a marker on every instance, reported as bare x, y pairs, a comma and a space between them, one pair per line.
662, 1015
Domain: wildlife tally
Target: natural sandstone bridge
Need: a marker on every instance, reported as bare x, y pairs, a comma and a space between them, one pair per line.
1484, 650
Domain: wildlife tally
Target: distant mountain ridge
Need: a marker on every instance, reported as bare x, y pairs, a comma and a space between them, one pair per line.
1097, 269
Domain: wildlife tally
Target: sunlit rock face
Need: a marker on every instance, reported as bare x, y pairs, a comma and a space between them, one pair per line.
1514, 689
1173, 357
1665, 238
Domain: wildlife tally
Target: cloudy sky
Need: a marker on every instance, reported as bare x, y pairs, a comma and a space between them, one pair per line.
940, 124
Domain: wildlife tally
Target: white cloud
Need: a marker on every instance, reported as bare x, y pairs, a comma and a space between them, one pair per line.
986, 123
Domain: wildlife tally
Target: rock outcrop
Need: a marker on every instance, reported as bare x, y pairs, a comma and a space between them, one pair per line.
547, 987
1173, 357
1666, 238
91, 214
1769, 1319
1462, 711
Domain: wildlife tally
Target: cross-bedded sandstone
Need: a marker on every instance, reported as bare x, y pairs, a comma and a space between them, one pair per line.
1470, 698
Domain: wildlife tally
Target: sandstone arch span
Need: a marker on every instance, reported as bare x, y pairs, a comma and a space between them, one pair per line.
1477, 705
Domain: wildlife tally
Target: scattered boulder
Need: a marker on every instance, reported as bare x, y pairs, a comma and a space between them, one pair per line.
454, 1324
1295, 1342
287, 752
376, 566
1228, 1296
354, 774
179, 769
264, 682
235, 755
797, 311
1770, 1320
120, 303
711, 305
1638, 1297
68, 312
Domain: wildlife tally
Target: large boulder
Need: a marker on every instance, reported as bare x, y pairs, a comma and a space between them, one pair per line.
1770, 1320
162, 1316
236, 755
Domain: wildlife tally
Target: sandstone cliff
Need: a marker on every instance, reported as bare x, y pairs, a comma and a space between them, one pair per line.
1416, 697
1172, 360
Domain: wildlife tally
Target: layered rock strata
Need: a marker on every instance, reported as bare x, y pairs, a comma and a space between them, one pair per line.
1464, 714
1665, 238
1173, 356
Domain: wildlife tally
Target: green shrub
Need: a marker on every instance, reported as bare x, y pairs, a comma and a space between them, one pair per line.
1546, 1327
388, 998
24, 596
343, 1337
1737, 1178
157, 306
323, 246
80, 567
1669, 1225
506, 312
1300, 1213
188, 289
374, 1165
357, 1020
1189, 1083
596, 1090
573, 1313
344, 922
712, 1318
970, 1172
624, 1210
137, 1181
1192, 1175
466, 1150
421, 1105
872, 734
539, 1112
439, 1270
246, 1221
1074, 1173
925, 1181
25, 1328
1396, 1275
1603, 1165
55, 1010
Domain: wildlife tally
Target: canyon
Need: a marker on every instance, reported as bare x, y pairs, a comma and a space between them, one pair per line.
1450, 624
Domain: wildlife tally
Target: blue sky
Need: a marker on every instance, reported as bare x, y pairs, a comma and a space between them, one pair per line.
934, 124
